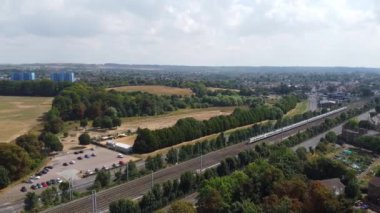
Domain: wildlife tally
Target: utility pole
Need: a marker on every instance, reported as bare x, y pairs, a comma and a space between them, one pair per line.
127, 171
201, 159
71, 188
94, 201
152, 179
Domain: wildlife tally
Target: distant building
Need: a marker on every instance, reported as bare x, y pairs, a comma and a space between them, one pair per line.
23, 76
374, 190
120, 147
63, 76
334, 185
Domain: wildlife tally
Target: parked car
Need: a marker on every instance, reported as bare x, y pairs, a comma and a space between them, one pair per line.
120, 156
72, 162
79, 158
93, 155
38, 186
23, 189
65, 164
28, 181
81, 151
75, 153
44, 184
49, 167
121, 162
33, 187
86, 156
59, 180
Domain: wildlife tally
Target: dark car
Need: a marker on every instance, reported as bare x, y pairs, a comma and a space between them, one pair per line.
23, 189
38, 186
75, 153
81, 151
39, 174
33, 187
53, 181
44, 172
65, 164
79, 158
93, 154
49, 167
86, 156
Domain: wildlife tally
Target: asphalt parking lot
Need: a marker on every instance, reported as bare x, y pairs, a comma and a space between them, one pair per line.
104, 157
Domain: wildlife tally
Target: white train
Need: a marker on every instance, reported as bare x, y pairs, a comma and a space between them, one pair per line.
287, 128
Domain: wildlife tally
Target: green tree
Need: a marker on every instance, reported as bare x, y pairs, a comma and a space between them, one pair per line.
331, 137
50, 196
130, 172
124, 206
210, 202
64, 187
4, 177
187, 182
84, 139
181, 207
352, 190
51, 142
103, 178
31, 201
172, 156
301, 153
17, 160
84, 122
30, 144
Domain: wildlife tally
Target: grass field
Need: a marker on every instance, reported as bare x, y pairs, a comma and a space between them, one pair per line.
300, 108
20, 114
155, 89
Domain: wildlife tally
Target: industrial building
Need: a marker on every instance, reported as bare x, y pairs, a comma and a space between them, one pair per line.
23, 76
120, 147
63, 76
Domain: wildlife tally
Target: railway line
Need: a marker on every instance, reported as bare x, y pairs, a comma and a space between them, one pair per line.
136, 188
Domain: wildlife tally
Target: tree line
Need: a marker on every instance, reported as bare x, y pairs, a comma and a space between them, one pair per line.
32, 88
189, 128
25, 155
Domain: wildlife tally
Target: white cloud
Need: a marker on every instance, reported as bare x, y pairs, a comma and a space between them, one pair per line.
212, 32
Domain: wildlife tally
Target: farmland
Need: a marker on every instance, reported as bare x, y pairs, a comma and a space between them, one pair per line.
155, 89
20, 114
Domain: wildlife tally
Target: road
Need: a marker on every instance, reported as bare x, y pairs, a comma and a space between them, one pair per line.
138, 187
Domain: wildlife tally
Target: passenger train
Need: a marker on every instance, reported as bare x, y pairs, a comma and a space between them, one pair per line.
287, 128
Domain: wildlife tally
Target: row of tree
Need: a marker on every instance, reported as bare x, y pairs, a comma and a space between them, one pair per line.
26, 154
189, 128
32, 88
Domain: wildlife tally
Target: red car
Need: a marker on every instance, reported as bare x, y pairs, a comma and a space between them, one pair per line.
121, 162
44, 184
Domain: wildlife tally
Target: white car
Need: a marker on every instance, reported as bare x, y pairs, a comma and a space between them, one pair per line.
72, 162
120, 155
59, 180
35, 177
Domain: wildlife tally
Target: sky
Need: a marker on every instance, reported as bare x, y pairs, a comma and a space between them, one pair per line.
192, 32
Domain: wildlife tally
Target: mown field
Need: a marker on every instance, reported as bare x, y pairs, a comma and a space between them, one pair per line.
155, 89
20, 114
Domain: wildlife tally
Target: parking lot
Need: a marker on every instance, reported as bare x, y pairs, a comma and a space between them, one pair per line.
104, 158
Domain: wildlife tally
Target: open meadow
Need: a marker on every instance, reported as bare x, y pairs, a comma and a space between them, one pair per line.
20, 114
155, 89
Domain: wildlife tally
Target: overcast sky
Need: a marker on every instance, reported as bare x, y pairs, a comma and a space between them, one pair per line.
192, 32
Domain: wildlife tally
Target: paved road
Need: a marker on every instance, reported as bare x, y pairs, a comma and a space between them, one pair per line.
313, 142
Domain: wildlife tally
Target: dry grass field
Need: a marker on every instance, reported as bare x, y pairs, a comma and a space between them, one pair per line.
167, 120
20, 114
155, 89
213, 89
